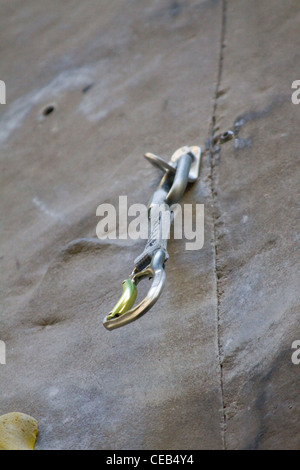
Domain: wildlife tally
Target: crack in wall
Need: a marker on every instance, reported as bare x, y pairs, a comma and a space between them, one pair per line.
214, 155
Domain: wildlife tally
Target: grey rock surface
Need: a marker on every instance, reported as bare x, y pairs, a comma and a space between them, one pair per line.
257, 232
209, 367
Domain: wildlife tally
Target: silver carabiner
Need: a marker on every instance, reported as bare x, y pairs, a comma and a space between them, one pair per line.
156, 271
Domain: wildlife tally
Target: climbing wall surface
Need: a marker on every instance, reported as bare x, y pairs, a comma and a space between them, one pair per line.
92, 86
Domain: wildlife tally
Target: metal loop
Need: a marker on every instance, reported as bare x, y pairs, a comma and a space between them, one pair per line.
180, 179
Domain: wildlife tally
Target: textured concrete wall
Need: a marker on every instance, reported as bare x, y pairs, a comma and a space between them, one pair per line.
209, 367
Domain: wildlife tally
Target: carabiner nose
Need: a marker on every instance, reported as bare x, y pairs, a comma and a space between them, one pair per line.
156, 271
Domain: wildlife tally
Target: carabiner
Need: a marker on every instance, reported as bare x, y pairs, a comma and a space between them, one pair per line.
122, 312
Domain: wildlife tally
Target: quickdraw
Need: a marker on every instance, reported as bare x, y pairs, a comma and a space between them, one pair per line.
183, 168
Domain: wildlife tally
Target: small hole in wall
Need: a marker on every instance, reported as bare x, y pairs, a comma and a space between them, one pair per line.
48, 110
87, 88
